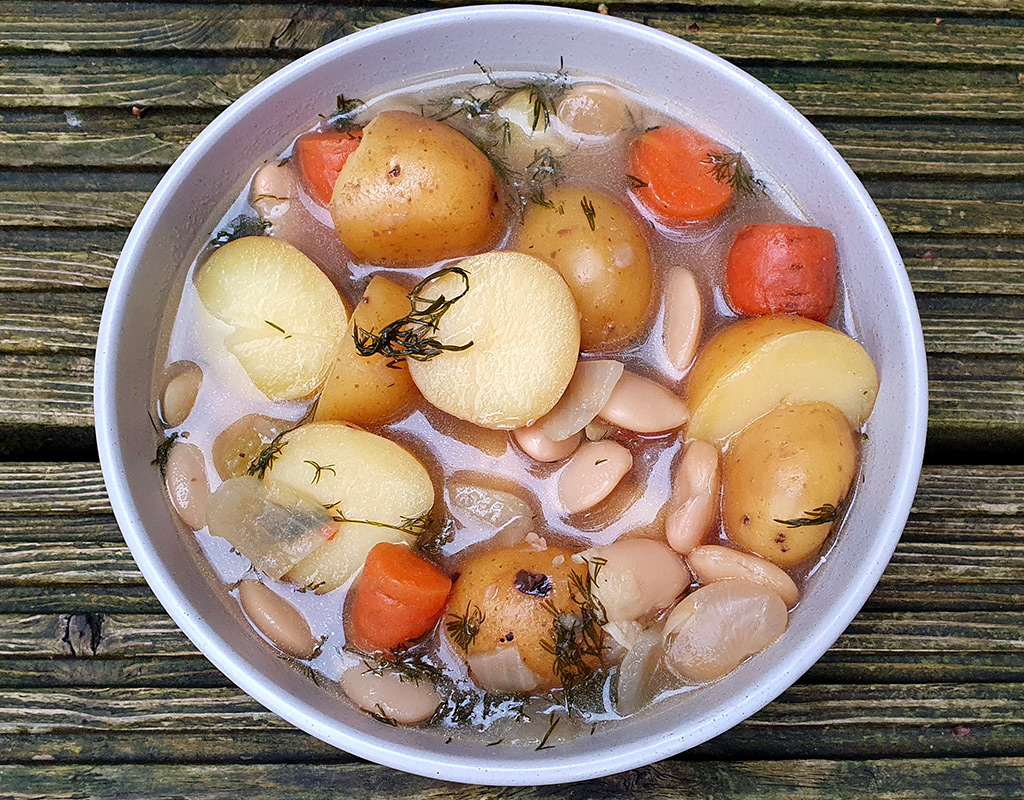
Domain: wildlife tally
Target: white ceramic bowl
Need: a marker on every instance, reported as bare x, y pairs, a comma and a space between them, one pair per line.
213, 169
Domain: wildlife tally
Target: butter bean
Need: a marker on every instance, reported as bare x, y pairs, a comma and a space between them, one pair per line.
641, 405
637, 576
694, 500
180, 393
683, 317
592, 474
712, 563
271, 190
593, 110
186, 484
277, 619
406, 702
541, 447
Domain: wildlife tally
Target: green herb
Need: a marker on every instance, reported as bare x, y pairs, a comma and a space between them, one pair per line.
819, 516
320, 470
589, 212
863, 437
636, 183
600, 461
163, 452
731, 168
278, 328
382, 716
239, 228
551, 729
464, 629
414, 525
652, 128
342, 118
544, 170
267, 456
318, 648
492, 744
431, 540
412, 335
409, 666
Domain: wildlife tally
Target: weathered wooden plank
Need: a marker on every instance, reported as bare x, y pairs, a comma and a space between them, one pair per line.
63, 322
76, 81
963, 266
275, 29
46, 390
679, 779
52, 488
92, 635
45, 260
55, 209
105, 599
197, 672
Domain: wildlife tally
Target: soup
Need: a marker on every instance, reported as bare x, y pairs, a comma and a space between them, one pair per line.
507, 405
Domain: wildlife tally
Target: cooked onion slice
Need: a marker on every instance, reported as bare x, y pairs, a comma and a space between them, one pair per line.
587, 393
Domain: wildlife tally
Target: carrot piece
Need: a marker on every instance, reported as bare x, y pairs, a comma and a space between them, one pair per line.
399, 597
681, 186
783, 269
320, 157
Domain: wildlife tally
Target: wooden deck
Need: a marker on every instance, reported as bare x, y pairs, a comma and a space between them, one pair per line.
102, 697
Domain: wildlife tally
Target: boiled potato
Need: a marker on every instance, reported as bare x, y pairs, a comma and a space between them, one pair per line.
793, 465
361, 476
498, 604
287, 316
603, 256
757, 364
522, 321
365, 389
414, 192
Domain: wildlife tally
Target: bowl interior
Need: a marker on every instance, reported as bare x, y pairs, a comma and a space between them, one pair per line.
197, 190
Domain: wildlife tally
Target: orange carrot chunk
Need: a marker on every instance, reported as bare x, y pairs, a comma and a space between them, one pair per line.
398, 597
674, 164
320, 157
783, 269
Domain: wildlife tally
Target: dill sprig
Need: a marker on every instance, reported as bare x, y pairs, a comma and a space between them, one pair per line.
544, 170
464, 629
636, 183
412, 335
589, 212
821, 515
240, 227
414, 525
732, 168
551, 729
278, 328
382, 716
320, 470
267, 456
343, 117
163, 452
577, 637
432, 539
409, 666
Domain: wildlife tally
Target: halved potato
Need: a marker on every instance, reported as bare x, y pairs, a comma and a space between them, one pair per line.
287, 316
523, 323
416, 191
757, 364
365, 389
360, 476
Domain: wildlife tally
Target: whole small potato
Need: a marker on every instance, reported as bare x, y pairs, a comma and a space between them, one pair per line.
783, 479
603, 256
414, 192
498, 602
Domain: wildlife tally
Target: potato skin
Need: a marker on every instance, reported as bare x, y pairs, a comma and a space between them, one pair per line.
506, 609
608, 268
414, 192
363, 389
781, 467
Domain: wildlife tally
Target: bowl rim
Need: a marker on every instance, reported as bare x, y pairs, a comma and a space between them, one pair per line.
641, 751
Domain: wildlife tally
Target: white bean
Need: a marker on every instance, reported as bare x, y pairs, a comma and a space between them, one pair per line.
720, 625
271, 191
592, 474
406, 702
637, 576
541, 447
694, 500
180, 393
641, 405
186, 484
711, 563
277, 619
683, 317
503, 670
593, 109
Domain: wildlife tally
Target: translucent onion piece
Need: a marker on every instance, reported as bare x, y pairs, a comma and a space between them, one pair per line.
636, 673
504, 517
587, 393
272, 525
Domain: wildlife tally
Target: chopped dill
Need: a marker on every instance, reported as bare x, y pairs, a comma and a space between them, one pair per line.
600, 461
431, 540
409, 666
278, 328
636, 183
343, 118
589, 212
731, 168
320, 470
492, 744
412, 335
819, 516
555, 719
318, 648
382, 716
239, 228
163, 452
464, 629
267, 456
